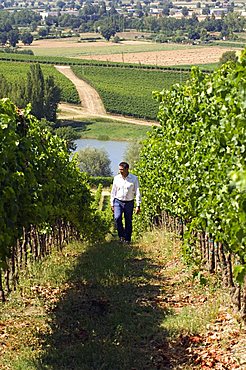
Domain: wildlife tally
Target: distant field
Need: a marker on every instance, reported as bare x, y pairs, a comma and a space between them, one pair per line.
129, 91
130, 51
74, 48
124, 91
189, 56
15, 71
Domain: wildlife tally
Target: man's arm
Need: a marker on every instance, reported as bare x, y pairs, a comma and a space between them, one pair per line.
112, 195
138, 195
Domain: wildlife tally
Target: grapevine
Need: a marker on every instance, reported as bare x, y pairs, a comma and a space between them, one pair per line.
45, 199
193, 165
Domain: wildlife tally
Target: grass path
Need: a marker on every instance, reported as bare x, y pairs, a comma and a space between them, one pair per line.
109, 306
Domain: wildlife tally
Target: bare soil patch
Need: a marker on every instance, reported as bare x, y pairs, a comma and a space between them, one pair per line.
187, 56
178, 55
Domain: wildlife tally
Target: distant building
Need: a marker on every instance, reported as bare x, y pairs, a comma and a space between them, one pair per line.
218, 11
55, 13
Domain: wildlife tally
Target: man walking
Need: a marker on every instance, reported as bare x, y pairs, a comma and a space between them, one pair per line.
125, 189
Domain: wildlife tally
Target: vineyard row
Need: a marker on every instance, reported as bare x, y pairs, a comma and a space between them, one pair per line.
193, 166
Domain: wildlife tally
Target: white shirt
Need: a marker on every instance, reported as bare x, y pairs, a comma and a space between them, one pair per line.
125, 189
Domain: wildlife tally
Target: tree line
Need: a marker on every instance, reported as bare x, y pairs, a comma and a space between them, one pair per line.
98, 18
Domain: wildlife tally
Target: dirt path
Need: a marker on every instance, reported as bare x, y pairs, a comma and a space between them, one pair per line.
91, 103
90, 99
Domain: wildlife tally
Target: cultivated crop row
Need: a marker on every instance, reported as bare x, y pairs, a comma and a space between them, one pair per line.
193, 168
45, 200
73, 61
17, 71
129, 91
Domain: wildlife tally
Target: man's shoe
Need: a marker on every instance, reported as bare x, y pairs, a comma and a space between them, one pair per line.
122, 240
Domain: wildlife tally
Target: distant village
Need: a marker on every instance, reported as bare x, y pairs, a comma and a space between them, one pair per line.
132, 8
167, 21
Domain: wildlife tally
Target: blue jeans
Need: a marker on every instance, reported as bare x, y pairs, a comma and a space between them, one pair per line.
126, 208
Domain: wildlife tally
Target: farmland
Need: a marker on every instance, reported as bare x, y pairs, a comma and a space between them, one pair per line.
129, 91
103, 128
73, 47
123, 90
130, 51
17, 71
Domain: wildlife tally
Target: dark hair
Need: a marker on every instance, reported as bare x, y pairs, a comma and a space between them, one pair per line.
125, 165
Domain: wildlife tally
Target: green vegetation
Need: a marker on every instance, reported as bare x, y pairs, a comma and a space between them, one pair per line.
228, 56
94, 161
192, 165
106, 129
131, 155
129, 91
41, 93
17, 72
108, 306
231, 44
91, 17
95, 181
42, 193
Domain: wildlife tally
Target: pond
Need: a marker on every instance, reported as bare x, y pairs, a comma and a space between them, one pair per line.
115, 149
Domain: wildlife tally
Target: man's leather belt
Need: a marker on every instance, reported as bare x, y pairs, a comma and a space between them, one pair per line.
125, 201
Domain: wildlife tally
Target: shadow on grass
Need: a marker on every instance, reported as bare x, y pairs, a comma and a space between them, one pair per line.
77, 125
108, 317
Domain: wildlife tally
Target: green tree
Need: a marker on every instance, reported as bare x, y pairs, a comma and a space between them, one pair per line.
228, 56
68, 134
3, 38
60, 4
206, 10
185, 11
102, 8
35, 90
43, 32
94, 161
27, 38
166, 10
13, 37
107, 31
17, 93
152, 24
193, 34
132, 153
51, 99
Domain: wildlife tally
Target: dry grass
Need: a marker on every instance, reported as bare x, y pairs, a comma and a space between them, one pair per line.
187, 56
130, 51
109, 306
